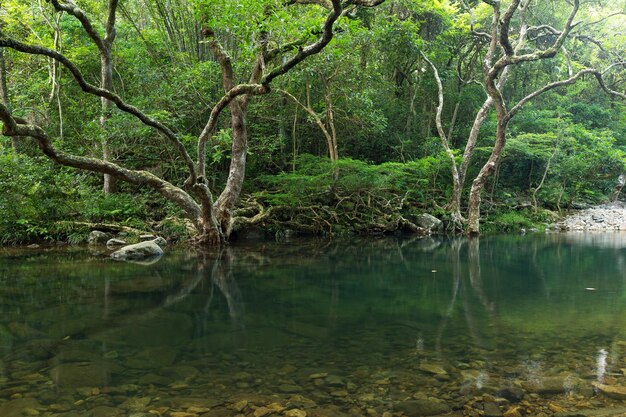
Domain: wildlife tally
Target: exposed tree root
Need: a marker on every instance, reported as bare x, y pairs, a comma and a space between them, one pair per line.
358, 213
105, 227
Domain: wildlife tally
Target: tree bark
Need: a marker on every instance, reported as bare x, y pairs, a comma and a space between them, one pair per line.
500, 37
455, 209
106, 83
4, 95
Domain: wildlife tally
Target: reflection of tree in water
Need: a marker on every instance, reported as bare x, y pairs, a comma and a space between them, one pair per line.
468, 286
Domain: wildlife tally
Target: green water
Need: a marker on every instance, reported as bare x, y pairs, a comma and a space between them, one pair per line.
356, 328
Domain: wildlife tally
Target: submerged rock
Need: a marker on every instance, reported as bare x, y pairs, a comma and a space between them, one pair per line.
617, 392
76, 375
433, 369
492, 410
19, 407
139, 251
418, 408
552, 385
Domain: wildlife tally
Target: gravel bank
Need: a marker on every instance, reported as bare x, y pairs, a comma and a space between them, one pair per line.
606, 217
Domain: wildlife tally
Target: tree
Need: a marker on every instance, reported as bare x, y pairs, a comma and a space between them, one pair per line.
494, 69
211, 217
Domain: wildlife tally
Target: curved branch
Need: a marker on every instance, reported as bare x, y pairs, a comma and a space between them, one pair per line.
13, 127
603, 85
303, 53
548, 87
100, 92
505, 25
110, 23
71, 8
573, 79
209, 129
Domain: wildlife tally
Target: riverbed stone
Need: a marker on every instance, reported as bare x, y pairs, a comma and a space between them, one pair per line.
418, 408
153, 379
161, 329
105, 411
513, 394
153, 358
160, 241
334, 381
491, 410
139, 251
289, 388
433, 369
617, 392
19, 407
604, 217
75, 375
552, 385
136, 404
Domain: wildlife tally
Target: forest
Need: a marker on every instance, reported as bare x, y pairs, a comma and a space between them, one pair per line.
202, 120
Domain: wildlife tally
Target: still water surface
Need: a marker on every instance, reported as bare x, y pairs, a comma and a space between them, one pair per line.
359, 328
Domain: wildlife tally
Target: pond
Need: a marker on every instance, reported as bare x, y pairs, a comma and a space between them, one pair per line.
513, 325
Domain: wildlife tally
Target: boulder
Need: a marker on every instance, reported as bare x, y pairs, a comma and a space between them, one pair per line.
428, 222
160, 241
139, 251
97, 237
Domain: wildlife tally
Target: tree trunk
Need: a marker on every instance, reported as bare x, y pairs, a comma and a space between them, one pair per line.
230, 195
4, 95
473, 215
106, 82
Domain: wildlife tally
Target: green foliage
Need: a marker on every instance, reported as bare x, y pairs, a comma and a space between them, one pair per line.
318, 181
34, 192
518, 221
382, 94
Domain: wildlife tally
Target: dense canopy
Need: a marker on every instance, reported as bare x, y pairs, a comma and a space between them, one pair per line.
204, 118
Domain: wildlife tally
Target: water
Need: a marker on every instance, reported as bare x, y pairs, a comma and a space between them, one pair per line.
328, 329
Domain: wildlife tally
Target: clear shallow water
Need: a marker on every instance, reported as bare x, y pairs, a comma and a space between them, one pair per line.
328, 329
